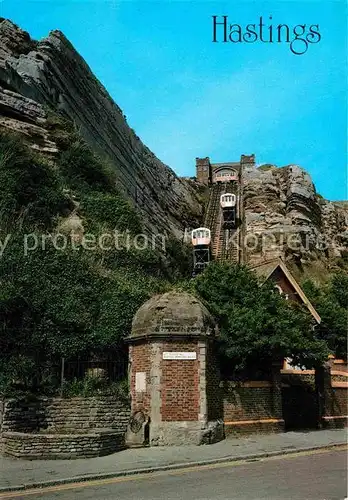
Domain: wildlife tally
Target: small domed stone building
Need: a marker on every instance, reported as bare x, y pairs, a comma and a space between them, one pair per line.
174, 380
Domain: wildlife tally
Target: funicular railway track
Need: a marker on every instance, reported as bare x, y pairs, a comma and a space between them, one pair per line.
224, 239
213, 218
230, 234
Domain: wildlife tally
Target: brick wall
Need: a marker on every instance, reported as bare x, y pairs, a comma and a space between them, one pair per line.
178, 378
335, 406
301, 406
140, 362
214, 392
65, 415
180, 384
339, 365
177, 394
251, 407
337, 402
336, 395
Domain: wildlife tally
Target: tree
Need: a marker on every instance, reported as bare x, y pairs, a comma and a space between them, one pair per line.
257, 325
331, 302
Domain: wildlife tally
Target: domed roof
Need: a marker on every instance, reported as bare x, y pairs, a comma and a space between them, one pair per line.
172, 314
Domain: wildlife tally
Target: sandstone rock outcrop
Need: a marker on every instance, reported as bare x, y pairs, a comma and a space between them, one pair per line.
50, 74
281, 207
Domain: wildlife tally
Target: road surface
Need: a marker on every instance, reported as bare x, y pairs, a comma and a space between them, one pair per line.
300, 476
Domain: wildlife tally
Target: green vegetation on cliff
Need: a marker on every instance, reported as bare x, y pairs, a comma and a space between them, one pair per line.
59, 296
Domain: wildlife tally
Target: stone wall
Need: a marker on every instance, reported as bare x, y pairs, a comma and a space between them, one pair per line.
65, 415
253, 406
45, 428
61, 446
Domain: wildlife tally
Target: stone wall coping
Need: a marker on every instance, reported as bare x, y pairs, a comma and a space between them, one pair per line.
293, 371
340, 373
59, 399
339, 384
338, 417
51, 435
259, 421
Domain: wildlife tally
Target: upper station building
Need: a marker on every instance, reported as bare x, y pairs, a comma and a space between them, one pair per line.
212, 173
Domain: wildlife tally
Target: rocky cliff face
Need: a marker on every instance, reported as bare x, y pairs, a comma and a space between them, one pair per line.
50, 74
284, 216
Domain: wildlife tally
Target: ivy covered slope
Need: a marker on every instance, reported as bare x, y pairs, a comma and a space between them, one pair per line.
66, 295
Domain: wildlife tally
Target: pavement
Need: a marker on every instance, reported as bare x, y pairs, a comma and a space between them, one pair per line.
16, 474
311, 475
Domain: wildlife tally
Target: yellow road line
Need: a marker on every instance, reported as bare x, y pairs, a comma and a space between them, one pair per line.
135, 477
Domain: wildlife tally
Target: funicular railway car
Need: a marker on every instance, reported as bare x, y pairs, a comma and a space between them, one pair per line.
228, 200
201, 238
228, 203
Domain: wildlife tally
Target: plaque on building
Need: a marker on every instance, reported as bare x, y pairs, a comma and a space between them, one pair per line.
180, 355
140, 382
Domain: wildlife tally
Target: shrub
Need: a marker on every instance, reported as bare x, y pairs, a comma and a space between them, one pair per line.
112, 210
83, 170
31, 191
266, 166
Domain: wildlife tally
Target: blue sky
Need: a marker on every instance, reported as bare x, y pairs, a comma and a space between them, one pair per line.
186, 96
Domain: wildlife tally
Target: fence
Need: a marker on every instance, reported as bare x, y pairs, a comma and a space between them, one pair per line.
48, 375
113, 370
